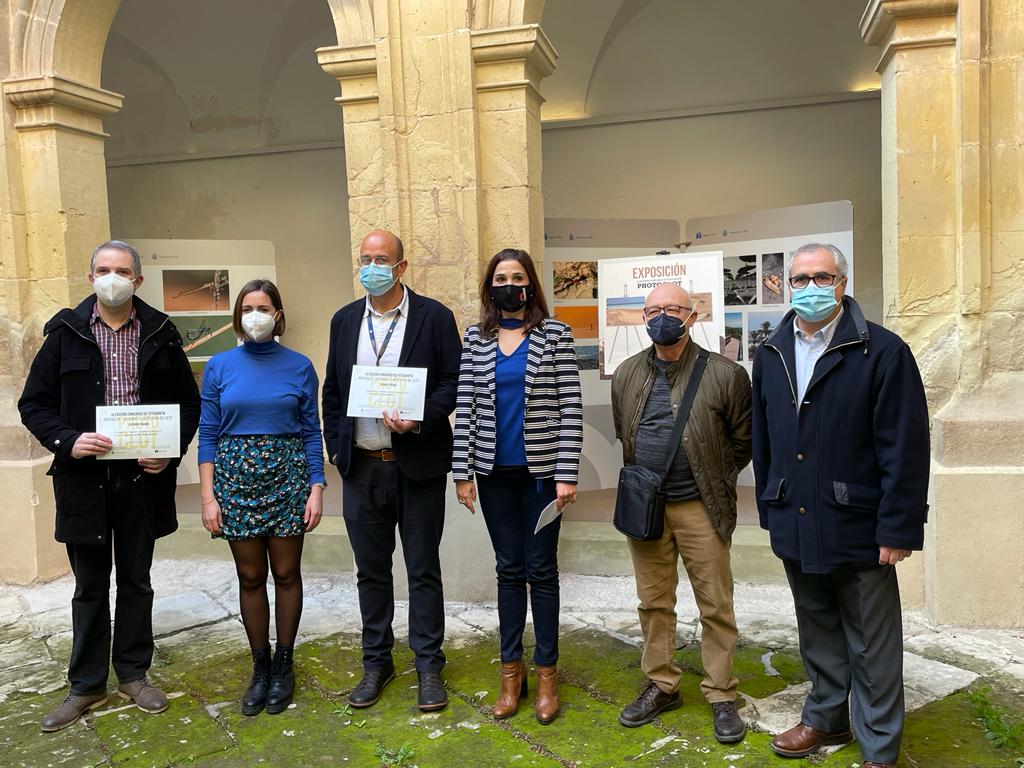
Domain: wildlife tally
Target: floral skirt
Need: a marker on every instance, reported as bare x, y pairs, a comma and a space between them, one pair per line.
262, 484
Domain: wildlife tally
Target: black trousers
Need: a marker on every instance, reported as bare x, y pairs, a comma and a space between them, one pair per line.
129, 537
851, 642
377, 497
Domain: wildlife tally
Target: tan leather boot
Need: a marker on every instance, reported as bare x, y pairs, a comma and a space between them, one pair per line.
513, 685
546, 703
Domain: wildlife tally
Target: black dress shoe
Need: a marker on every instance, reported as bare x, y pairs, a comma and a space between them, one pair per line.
371, 686
432, 693
729, 726
282, 681
651, 702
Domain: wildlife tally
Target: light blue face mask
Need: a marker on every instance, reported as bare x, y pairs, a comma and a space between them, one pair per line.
377, 279
814, 304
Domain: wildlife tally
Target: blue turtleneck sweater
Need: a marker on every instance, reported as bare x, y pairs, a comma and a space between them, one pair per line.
261, 389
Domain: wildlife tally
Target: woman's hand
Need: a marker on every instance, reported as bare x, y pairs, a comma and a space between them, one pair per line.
211, 516
566, 494
466, 491
314, 507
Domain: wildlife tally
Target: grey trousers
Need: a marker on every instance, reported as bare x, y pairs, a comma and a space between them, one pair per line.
851, 642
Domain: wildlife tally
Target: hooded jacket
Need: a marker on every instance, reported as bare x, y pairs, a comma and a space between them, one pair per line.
64, 386
848, 472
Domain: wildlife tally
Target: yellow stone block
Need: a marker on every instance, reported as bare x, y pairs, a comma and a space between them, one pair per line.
1005, 92
926, 195
926, 119
1007, 185
927, 274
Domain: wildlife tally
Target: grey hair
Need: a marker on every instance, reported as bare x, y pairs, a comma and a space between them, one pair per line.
841, 267
119, 245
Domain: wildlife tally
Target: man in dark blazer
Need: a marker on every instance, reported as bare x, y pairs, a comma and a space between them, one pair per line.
841, 460
112, 349
394, 470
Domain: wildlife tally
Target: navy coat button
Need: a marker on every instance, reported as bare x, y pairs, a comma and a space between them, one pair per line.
799, 457
803, 510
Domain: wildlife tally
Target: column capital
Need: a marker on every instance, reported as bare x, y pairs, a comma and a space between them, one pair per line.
898, 24
355, 67
56, 102
527, 44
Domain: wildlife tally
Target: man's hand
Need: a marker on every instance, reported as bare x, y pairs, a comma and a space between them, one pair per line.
397, 425
91, 444
154, 466
891, 555
466, 491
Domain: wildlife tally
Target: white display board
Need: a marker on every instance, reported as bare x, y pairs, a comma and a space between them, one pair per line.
623, 288
756, 249
196, 283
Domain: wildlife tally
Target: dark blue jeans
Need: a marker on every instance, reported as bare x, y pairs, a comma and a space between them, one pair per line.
511, 501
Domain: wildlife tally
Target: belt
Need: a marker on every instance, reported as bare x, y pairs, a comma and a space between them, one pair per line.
382, 454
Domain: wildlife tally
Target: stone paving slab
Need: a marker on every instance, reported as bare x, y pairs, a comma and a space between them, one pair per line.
202, 660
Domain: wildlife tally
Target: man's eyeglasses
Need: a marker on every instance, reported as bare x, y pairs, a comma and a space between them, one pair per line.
672, 310
380, 261
821, 279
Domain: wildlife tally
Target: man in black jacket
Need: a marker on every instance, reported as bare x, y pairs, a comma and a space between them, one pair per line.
394, 470
112, 349
841, 462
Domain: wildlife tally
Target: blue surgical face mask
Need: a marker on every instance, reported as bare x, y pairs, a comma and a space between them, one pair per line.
814, 304
377, 279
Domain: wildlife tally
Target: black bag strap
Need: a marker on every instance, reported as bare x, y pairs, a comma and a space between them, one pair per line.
683, 415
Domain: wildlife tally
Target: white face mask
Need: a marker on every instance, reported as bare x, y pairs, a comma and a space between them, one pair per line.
258, 325
113, 290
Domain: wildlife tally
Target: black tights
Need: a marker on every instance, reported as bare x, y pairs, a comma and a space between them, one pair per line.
251, 560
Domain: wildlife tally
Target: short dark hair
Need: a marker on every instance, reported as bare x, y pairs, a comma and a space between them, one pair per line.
259, 284
536, 308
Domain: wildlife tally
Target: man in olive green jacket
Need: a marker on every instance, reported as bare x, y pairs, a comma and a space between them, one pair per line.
700, 513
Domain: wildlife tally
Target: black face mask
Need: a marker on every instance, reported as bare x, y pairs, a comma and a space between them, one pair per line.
666, 331
511, 298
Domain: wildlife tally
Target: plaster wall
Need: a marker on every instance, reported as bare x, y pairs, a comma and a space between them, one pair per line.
297, 200
716, 164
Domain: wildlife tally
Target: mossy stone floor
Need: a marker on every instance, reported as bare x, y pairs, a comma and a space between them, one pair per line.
600, 673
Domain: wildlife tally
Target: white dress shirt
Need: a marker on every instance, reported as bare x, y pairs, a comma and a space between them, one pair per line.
371, 434
807, 350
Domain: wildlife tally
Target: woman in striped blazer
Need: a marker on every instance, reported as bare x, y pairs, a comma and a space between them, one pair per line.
519, 430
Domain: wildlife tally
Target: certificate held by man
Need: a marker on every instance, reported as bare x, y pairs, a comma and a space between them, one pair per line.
379, 389
140, 431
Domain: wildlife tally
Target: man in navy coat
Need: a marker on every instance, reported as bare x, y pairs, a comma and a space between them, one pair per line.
841, 457
394, 471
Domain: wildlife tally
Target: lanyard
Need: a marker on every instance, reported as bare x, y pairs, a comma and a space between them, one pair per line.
373, 337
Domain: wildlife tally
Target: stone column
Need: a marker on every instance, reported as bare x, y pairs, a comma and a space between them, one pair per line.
952, 73
54, 211
442, 138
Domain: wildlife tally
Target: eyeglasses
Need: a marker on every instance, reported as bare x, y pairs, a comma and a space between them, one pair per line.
672, 310
821, 279
380, 261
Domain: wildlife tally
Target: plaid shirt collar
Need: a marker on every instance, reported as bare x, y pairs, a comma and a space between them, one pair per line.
133, 318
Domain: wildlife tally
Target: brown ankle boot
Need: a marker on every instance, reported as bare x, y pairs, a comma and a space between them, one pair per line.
546, 703
513, 685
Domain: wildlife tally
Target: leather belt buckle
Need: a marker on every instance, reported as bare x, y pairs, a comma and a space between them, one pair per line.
382, 454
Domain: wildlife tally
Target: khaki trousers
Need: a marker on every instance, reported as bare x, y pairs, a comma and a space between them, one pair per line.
688, 534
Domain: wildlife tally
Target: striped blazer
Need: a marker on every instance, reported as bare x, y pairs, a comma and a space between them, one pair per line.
554, 406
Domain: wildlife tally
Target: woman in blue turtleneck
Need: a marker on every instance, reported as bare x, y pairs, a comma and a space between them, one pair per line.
518, 431
261, 474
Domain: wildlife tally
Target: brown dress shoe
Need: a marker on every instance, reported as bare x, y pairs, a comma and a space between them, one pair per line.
802, 740
869, 764
146, 696
72, 708
546, 704
513, 685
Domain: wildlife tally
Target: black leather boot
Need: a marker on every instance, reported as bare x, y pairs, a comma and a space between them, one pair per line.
256, 697
282, 681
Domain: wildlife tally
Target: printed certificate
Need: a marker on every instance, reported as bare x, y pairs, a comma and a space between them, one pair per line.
140, 431
376, 389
